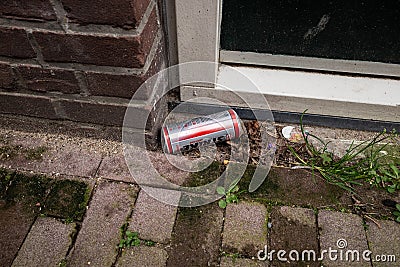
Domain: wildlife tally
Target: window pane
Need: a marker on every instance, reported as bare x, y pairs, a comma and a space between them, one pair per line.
350, 30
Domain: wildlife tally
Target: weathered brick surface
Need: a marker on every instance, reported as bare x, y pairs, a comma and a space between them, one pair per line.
114, 85
153, 220
245, 228
17, 213
113, 114
97, 241
335, 226
383, 240
15, 43
143, 256
196, 237
27, 105
124, 86
48, 80
301, 224
73, 161
100, 113
115, 167
130, 50
99, 50
6, 76
47, 243
121, 13
15, 224
32, 9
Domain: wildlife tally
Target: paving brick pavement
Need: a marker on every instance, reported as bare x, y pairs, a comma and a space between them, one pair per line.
143, 257
301, 224
47, 243
341, 232
245, 228
197, 236
35, 153
202, 236
15, 225
97, 241
384, 243
153, 220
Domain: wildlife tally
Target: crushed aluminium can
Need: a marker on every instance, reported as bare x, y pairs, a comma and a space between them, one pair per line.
187, 135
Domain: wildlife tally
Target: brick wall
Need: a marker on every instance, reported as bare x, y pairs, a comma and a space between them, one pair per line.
77, 60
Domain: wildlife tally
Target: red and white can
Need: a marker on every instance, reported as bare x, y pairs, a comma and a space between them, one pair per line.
199, 131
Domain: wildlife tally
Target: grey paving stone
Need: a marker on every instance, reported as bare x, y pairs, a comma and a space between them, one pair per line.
294, 229
239, 262
15, 223
68, 161
299, 187
152, 219
46, 244
115, 168
20, 206
168, 170
42, 153
99, 236
143, 256
153, 169
73, 162
343, 232
196, 237
245, 228
384, 241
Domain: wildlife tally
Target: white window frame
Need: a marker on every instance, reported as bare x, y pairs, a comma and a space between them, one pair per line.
294, 89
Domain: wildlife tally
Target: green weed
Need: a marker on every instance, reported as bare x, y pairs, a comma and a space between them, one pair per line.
362, 162
396, 213
131, 240
230, 195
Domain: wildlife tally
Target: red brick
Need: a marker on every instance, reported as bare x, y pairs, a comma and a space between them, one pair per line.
32, 9
147, 36
27, 105
98, 113
98, 50
108, 114
6, 76
120, 13
124, 86
112, 114
48, 80
15, 43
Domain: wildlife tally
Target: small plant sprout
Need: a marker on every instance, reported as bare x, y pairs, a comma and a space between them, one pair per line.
131, 240
396, 213
230, 195
149, 243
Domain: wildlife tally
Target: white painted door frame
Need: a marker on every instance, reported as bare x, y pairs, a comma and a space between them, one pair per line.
335, 94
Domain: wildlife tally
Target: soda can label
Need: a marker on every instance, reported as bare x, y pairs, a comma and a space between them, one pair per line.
199, 131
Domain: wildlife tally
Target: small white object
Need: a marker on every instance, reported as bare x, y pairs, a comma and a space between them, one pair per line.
287, 131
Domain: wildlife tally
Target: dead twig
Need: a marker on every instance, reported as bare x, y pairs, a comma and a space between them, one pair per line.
373, 220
